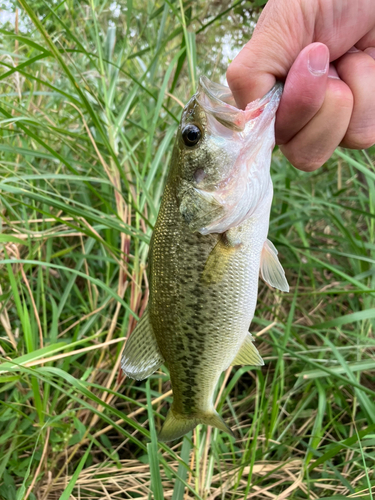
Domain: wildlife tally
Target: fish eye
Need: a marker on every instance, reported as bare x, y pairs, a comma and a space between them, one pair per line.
191, 135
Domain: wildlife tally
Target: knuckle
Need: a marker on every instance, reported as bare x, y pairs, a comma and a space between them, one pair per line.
359, 140
341, 96
308, 165
306, 99
303, 160
351, 64
235, 73
308, 102
368, 142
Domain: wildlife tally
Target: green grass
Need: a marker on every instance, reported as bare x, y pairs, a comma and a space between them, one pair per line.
89, 105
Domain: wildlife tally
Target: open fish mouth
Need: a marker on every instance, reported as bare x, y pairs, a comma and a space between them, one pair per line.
218, 101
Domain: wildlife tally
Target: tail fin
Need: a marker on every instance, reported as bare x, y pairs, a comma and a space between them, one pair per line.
177, 425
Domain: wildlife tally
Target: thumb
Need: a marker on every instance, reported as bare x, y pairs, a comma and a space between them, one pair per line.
282, 31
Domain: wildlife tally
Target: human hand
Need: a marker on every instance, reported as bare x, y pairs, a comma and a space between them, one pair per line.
329, 93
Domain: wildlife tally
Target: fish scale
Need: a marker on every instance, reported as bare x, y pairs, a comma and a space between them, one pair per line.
208, 246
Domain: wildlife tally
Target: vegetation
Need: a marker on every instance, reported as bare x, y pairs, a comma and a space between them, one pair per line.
91, 95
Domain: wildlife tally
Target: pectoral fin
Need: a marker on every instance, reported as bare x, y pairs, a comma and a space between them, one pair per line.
248, 354
219, 259
216, 264
270, 268
141, 354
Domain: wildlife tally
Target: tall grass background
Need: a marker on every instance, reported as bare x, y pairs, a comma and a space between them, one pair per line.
91, 95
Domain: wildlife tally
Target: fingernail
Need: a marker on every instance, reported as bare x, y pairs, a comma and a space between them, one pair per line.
332, 72
370, 51
318, 60
352, 50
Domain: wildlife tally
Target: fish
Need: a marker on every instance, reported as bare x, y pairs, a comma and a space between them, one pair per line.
209, 246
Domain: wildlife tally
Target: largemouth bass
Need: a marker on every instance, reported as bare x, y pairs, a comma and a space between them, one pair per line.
208, 247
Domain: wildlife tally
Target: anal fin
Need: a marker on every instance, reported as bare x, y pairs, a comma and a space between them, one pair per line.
141, 355
248, 354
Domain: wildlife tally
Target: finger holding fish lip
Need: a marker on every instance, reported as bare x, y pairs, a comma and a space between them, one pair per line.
316, 142
317, 105
355, 75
